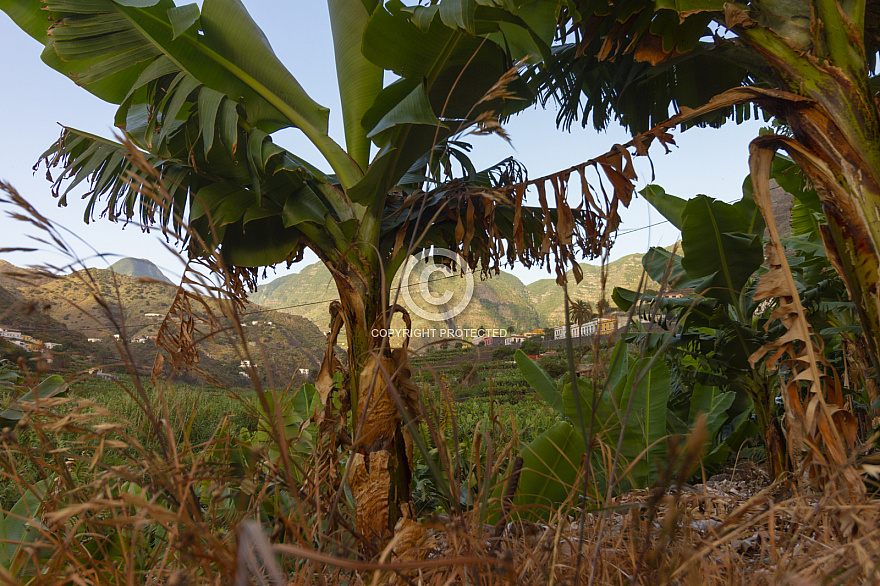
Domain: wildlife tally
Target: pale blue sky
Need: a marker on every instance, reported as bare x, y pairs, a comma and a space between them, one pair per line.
36, 99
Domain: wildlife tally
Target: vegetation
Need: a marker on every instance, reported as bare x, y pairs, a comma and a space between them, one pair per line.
810, 66
487, 472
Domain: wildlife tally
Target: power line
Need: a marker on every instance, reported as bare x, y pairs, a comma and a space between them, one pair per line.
642, 228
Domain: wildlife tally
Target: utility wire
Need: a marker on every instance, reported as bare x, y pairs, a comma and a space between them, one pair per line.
642, 228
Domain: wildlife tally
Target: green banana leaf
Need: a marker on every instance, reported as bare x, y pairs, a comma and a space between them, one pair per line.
540, 381
48, 387
550, 468
646, 388
19, 526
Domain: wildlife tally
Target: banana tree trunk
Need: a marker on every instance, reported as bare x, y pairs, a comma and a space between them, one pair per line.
847, 142
775, 444
379, 475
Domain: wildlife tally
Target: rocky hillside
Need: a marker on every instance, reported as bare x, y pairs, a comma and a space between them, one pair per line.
548, 297
97, 304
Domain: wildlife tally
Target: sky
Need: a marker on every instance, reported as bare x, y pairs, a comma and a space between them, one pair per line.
36, 100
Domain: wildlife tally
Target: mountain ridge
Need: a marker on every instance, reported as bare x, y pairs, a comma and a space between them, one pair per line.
501, 301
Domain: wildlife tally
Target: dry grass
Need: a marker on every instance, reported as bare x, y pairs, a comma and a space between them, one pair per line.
180, 517
273, 508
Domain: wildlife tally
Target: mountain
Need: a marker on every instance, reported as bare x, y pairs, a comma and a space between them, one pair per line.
499, 302
96, 303
140, 268
548, 297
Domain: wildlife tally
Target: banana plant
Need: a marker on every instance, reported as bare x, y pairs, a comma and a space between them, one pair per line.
626, 427
728, 425
200, 93
722, 249
716, 333
47, 388
21, 527
296, 412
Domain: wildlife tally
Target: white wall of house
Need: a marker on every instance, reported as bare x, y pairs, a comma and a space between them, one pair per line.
11, 334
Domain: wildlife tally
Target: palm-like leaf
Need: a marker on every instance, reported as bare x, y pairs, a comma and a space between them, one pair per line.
633, 62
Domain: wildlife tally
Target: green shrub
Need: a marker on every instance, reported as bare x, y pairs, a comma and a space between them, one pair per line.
531, 347
503, 352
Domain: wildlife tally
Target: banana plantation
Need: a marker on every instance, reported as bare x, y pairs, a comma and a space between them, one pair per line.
726, 434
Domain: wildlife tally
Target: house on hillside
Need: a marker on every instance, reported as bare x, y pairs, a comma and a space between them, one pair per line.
559, 331
590, 328
599, 326
99, 373
93, 339
10, 334
511, 340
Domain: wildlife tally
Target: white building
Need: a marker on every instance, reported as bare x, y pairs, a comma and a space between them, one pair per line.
10, 334
511, 340
304, 371
590, 328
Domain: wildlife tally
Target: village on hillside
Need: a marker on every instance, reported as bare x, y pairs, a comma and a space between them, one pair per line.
25, 341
